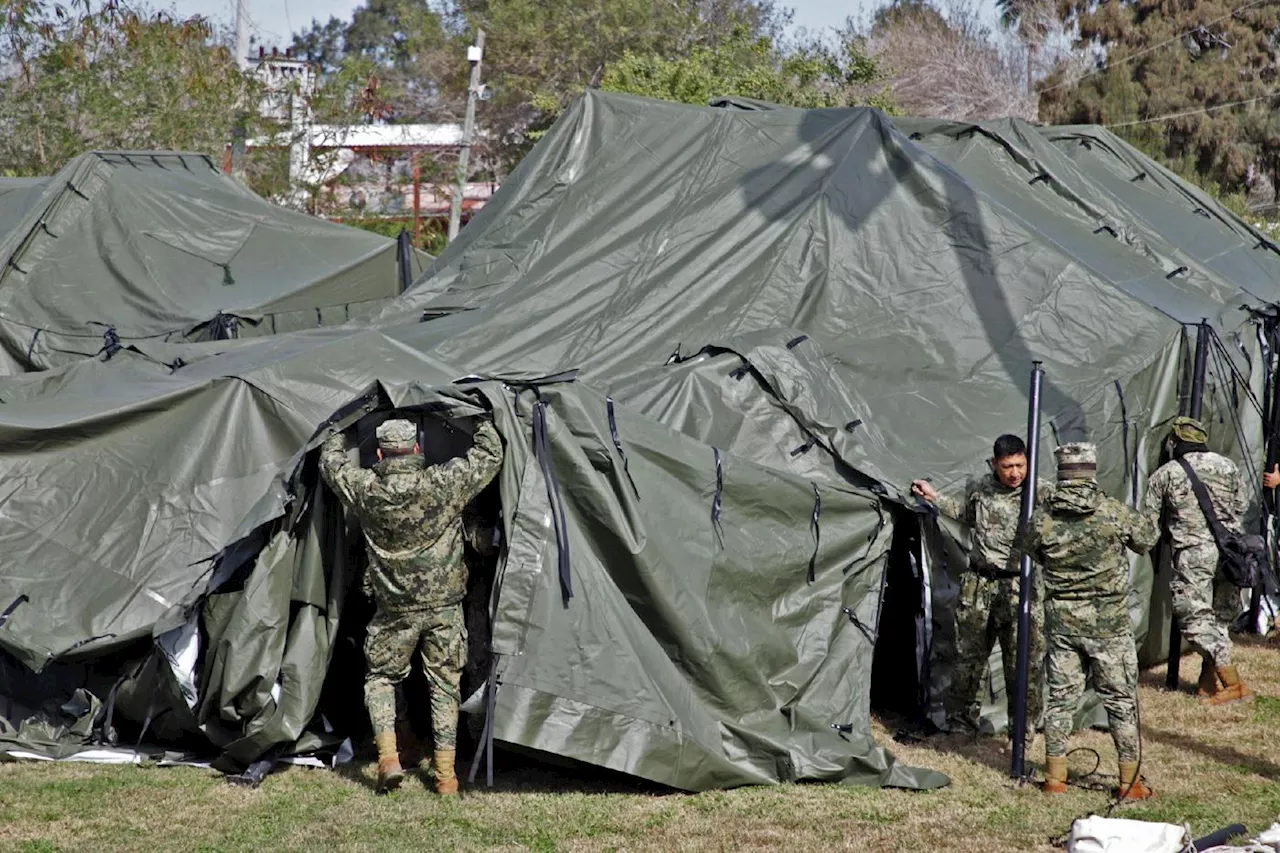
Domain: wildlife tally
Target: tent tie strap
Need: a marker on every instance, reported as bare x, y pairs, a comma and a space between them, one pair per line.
1130, 463
31, 347
542, 449
857, 623
843, 728
485, 746
617, 443
817, 532
224, 326
8, 611
804, 448
110, 343
797, 341
717, 503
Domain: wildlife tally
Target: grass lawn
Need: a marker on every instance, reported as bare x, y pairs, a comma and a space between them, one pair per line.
1210, 768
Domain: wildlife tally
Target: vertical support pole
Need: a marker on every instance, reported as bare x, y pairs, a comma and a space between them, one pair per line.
1026, 578
1173, 673
1271, 406
404, 259
417, 196
474, 53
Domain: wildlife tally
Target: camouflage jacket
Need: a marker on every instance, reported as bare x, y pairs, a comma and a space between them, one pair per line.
411, 516
1169, 491
991, 510
1079, 538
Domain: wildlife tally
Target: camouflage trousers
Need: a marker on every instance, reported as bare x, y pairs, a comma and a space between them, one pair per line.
987, 611
439, 637
1204, 613
1113, 664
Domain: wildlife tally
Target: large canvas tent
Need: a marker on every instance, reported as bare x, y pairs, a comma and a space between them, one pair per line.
126, 247
718, 343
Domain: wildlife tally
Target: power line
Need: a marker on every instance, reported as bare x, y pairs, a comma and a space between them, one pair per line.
1201, 111
1107, 66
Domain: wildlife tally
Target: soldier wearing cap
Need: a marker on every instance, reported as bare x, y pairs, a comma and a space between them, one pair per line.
1203, 613
410, 513
1079, 537
987, 609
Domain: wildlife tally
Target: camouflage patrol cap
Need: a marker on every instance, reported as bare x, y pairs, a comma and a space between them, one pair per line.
1077, 461
1190, 430
397, 435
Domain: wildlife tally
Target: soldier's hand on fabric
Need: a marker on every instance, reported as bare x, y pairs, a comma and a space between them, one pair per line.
1271, 478
924, 489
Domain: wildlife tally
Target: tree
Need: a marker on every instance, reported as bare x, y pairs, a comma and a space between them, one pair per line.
1032, 20
107, 76
1173, 81
945, 65
752, 67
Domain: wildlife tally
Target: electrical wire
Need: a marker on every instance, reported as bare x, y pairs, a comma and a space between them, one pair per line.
1107, 66
1196, 112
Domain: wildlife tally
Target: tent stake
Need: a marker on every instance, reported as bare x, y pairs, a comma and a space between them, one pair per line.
1018, 768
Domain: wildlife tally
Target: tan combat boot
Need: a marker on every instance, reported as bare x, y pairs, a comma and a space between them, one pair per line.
1232, 688
1208, 679
413, 752
389, 773
1132, 788
446, 780
1055, 774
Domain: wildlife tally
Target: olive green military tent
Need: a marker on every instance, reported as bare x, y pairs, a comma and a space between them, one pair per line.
123, 247
717, 343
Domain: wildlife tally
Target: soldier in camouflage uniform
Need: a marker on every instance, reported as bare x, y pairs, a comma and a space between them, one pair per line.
410, 513
987, 609
1079, 537
1203, 613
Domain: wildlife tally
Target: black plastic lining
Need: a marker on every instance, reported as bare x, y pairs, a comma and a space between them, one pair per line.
617, 443
8, 611
542, 449
817, 532
717, 504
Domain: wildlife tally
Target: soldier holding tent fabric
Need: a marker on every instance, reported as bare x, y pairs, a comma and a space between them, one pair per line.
1203, 613
410, 513
989, 592
1079, 537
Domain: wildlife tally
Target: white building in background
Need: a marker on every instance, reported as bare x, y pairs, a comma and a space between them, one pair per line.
368, 168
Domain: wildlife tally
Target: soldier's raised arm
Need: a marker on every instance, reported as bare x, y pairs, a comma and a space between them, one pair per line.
337, 469
458, 481
1142, 530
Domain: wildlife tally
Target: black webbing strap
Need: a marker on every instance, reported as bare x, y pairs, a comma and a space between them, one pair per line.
110, 343
817, 532
1043, 176
795, 342
1206, 503
857, 623
31, 347
44, 226
227, 280
485, 745
617, 443
853, 424
8, 611
72, 187
717, 504
542, 449
319, 318
804, 448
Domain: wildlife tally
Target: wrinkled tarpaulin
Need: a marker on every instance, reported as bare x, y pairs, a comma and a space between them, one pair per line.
776, 319
125, 247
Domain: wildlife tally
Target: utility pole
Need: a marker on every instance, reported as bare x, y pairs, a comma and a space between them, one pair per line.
474, 54
242, 34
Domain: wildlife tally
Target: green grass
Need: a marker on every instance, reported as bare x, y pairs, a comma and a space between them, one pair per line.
1210, 768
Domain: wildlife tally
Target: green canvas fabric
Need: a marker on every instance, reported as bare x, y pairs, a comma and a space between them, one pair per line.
790, 314
155, 246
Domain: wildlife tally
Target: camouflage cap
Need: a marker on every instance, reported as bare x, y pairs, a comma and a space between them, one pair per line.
397, 435
1077, 461
1190, 430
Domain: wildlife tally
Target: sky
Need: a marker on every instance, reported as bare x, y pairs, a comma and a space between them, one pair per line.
273, 21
